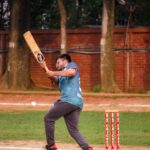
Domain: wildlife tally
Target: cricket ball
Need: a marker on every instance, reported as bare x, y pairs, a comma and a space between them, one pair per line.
33, 104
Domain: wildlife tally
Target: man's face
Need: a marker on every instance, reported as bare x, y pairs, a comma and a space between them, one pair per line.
60, 64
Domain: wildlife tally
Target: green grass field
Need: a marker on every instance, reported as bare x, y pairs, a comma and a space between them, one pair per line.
28, 125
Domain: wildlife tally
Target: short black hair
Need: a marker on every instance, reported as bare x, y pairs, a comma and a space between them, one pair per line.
65, 56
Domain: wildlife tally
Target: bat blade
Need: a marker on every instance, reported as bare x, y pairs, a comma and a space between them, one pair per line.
33, 47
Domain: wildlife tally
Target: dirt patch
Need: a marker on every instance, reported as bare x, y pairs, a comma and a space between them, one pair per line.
97, 103
39, 144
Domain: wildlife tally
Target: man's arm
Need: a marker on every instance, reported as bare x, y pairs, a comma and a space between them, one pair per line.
67, 73
53, 74
53, 78
43, 65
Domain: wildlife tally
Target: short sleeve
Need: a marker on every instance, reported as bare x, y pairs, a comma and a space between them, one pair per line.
72, 65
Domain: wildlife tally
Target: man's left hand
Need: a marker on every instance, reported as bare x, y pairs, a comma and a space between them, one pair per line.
50, 73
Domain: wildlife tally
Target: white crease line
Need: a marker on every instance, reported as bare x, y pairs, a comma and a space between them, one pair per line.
46, 104
23, 148
25, 104
85, 105
134, 105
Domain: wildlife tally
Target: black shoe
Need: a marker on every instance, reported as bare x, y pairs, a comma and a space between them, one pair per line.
90, 148
52, 147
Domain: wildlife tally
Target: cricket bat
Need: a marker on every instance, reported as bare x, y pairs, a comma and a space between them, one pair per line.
34, 48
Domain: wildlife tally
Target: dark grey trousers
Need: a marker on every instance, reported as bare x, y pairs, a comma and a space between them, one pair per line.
71, 114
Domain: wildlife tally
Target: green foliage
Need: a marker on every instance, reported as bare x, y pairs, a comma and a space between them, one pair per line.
139, 16
87, 12
45, 13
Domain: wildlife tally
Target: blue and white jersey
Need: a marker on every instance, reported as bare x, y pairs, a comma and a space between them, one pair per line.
70, 87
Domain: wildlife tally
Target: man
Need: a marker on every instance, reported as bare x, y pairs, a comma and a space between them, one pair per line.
70, 103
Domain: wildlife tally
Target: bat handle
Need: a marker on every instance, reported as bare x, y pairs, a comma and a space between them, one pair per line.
46, 69
44, 66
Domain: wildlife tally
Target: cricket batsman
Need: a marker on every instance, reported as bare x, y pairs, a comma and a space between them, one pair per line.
69, 105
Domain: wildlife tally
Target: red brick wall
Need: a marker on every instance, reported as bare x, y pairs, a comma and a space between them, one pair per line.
132, 68
140, 71
38, 76
120, 69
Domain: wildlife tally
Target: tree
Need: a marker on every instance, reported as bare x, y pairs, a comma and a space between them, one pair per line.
108, 83
44, 14
63, 26
17, 75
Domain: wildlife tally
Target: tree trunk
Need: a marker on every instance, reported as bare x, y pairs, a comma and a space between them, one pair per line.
17, 76
63, 15
107, 60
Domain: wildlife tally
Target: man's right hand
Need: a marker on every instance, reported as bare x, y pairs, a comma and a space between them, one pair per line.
44, 66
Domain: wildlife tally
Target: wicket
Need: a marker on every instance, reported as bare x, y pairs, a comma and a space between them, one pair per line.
112, 113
